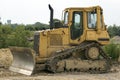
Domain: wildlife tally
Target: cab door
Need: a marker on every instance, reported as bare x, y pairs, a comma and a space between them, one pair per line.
76, 29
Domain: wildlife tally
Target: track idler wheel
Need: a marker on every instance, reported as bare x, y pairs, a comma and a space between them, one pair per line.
92, 53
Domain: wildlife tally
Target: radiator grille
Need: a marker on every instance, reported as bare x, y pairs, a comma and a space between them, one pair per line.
55, 40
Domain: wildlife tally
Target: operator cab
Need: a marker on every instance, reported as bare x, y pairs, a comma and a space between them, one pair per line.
79, 20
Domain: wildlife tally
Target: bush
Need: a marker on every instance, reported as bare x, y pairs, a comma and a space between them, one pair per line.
113, 50
17, 36
5, 31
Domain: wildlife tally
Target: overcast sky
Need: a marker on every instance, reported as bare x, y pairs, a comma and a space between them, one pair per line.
31, 11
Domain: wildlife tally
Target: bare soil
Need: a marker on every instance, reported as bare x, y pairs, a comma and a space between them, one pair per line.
114, 74
6, 60
6, 57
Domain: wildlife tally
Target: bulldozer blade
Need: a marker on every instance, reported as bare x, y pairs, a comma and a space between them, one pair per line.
23, 60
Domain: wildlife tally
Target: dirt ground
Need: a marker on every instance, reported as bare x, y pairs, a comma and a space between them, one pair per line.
6, 57
113, 75
5, 74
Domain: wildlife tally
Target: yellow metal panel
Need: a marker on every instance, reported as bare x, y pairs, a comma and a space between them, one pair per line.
53, 40
93, 36
43, 44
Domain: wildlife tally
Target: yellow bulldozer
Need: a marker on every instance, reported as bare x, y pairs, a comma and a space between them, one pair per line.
74, 44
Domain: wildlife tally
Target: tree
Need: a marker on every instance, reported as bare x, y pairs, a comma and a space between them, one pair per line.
30, 27
37, 26
19, 37
40, 26
5, 30
114, 30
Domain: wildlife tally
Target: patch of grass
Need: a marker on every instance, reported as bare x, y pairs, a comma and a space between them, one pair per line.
113, 50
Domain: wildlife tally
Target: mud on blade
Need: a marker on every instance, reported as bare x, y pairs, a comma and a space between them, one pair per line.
23, 60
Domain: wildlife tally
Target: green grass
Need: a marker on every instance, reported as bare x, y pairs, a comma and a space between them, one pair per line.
113, 50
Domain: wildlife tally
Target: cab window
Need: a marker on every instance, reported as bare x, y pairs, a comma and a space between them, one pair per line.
77, 25
92, 20
65, 18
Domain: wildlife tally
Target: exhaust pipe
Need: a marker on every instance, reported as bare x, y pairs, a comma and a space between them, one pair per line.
51, 16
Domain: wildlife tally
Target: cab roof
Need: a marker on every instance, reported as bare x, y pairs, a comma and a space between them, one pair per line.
82, 8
